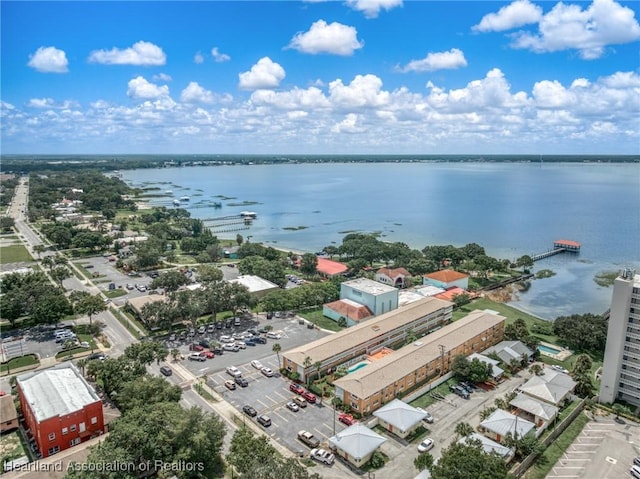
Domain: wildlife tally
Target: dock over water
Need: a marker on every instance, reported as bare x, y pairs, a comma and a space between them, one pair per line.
559, 246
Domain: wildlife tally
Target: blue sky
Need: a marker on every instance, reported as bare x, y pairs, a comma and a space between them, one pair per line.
351, 77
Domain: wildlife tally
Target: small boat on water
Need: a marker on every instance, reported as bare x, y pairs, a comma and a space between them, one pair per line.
176, 202
248, 214
184, 198
168, 192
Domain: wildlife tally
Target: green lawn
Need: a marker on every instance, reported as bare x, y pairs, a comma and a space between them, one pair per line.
426, 400
11, 447
14, 254
319, 320
20, 362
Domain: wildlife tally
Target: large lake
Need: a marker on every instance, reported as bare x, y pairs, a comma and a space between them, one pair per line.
509, 208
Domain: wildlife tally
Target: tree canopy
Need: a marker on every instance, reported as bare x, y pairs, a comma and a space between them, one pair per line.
468, 460
582, 332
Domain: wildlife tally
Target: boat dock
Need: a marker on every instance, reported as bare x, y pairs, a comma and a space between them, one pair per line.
559, 246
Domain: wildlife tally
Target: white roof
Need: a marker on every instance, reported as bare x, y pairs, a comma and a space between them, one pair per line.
57, 391
428, 290
400, 415
532, 406
254, 283
369, 286
488, 445
357, 441
502, 423
407, 297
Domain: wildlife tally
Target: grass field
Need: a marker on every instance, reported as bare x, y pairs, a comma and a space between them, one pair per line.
14, 254
319, 320
20, 362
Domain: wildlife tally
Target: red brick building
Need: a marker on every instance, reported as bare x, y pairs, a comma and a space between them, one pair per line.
60, 408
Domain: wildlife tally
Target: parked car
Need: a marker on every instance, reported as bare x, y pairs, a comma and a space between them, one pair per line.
227, 323
236, 321
459, 391
428, 418
217, 350
300, 401
560, 368
234, 371
226, 339
197, 357
308, 438
249, 411
267, 372
347, 419
635, 471
208, 354
292, 406
229, 384
323, 456
242, 382
195, 347
249, 342
210, 328
256, 364
264, 420
469, 384
240, 345
166, 370
260, 340
425, 445
310, 397
296, 388
465, 387
273, 335
636, 460
205, 344
100, 356
172, 337
231, 347
202, 329
219, 324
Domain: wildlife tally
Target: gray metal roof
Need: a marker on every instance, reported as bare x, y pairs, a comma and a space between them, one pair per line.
535, 407
400, 415
357, 441
488, 445
502, 423
57, 391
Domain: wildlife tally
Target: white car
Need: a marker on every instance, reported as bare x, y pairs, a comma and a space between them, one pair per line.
425, 445
226, 339
256, 364
240, 345
273, 335
267, 372
234, 371
323, 455
560, 368
230, 347
202, 329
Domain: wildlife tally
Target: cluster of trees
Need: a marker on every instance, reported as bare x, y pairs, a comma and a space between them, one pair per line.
154, 428
32, 294
519, 331
7, 187
582, 332
104, 194
66, 235
475, 370
309, 295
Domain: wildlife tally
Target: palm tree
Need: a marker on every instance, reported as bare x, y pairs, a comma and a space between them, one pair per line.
463, 429
175, 354
39, 249
306, 365
276, 349
81, 364
317, 365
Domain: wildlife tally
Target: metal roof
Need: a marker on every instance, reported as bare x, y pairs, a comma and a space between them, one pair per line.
502, 423
57, 391
400, 415
357, 441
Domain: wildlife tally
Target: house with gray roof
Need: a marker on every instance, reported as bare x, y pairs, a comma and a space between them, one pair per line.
501, 423
496, 371
489, 446
509, 350
356, 444
552, 387
399, 417
540, 411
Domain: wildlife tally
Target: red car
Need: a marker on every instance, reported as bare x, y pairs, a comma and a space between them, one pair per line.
296, 388
310, 397
195, 347
209, 354
347, 419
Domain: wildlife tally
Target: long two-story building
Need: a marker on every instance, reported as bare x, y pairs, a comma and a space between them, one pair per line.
381, 381
388, 329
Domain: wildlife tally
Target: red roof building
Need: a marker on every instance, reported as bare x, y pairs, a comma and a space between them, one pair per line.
349, 310
393, 277
447, 278
327, 267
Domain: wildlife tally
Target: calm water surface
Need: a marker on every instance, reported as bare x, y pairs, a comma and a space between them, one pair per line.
509, 208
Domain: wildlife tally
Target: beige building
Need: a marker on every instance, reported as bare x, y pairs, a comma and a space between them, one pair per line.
355, 343
8, 414
381, 381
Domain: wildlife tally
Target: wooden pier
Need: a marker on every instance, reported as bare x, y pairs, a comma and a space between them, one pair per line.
559, 246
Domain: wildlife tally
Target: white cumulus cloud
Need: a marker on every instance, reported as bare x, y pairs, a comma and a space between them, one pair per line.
450, 60
194, 93
218, 56
363, 91
334, 38
371, 8
514, 15
49, 60
141, 53
264, 74
198, 58
141, 89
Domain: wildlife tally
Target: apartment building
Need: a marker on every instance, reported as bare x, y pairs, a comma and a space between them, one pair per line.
355, 343
376, 383
620, 378
60, 408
